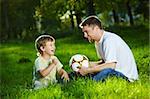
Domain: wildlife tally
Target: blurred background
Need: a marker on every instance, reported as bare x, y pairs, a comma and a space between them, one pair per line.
26, 19
21, 21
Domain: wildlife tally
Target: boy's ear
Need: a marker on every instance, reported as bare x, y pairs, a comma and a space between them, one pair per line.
42, 48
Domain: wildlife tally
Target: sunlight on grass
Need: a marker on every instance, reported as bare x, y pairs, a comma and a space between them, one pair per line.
17, 61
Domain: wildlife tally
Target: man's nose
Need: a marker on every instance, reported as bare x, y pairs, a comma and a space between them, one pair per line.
85, 35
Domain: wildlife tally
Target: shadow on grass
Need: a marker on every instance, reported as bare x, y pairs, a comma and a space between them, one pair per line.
16, 71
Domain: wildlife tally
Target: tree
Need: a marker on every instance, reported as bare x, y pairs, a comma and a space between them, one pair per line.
5, 23
17, 16
129, 12
77, 9
108, 6
80, 10
90, 8
142, 8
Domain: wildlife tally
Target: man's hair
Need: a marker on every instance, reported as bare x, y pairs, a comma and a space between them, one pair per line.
91, 20
41, 41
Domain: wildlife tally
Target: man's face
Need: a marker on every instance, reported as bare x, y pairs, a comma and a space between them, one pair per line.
89, 32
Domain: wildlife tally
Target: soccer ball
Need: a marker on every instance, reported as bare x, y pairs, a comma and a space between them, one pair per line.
77, 61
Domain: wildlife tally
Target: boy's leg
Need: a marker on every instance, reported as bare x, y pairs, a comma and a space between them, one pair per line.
38, 85
104, 74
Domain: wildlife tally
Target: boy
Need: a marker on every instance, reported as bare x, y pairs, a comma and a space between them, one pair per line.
46, 64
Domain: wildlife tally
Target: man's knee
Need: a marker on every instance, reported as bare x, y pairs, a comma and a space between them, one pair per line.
102, 75
106, 71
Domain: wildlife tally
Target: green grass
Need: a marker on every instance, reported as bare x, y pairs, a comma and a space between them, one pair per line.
17, 59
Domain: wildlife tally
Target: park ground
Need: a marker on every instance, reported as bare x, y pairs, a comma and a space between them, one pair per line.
17, 60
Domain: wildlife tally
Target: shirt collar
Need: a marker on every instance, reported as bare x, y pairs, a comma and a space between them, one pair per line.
101, 38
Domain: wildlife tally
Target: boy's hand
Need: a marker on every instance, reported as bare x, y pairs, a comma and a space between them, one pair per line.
54, 61
65, 76
83, 71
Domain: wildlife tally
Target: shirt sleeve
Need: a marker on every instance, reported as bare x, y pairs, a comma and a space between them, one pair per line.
39, 65
110, 50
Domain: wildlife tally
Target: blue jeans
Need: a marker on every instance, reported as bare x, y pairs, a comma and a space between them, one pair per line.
104, 74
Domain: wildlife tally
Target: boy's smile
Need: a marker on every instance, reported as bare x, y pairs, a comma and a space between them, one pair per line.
49, 48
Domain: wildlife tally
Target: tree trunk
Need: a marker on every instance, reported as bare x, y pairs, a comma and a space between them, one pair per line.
78, 18
130, 13
71, 18
6, 27
38, 24
90, 8
115, 16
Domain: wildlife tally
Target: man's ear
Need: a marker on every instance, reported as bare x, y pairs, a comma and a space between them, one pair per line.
96, 27
42, 48
93, 26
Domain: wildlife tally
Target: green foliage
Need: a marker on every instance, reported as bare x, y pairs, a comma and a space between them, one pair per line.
143, 8
17, 60
19, 16
23, 19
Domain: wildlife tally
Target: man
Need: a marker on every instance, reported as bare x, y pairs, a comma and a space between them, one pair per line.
117, 58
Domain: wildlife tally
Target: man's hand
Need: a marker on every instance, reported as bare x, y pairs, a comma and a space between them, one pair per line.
83, 71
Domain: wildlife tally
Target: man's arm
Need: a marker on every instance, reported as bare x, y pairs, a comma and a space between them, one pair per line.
94, 69
95, 63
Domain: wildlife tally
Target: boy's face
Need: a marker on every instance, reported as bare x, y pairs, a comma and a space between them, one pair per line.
89, 32
49, 48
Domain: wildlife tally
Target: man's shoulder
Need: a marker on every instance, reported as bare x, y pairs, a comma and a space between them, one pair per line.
107, 36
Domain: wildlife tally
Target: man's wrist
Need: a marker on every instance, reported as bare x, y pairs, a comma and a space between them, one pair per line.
88, 70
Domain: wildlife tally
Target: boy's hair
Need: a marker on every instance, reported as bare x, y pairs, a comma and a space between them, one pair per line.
91, 20
41, 41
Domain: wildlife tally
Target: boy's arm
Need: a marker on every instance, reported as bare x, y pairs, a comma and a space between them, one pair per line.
47, 70
63, 74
